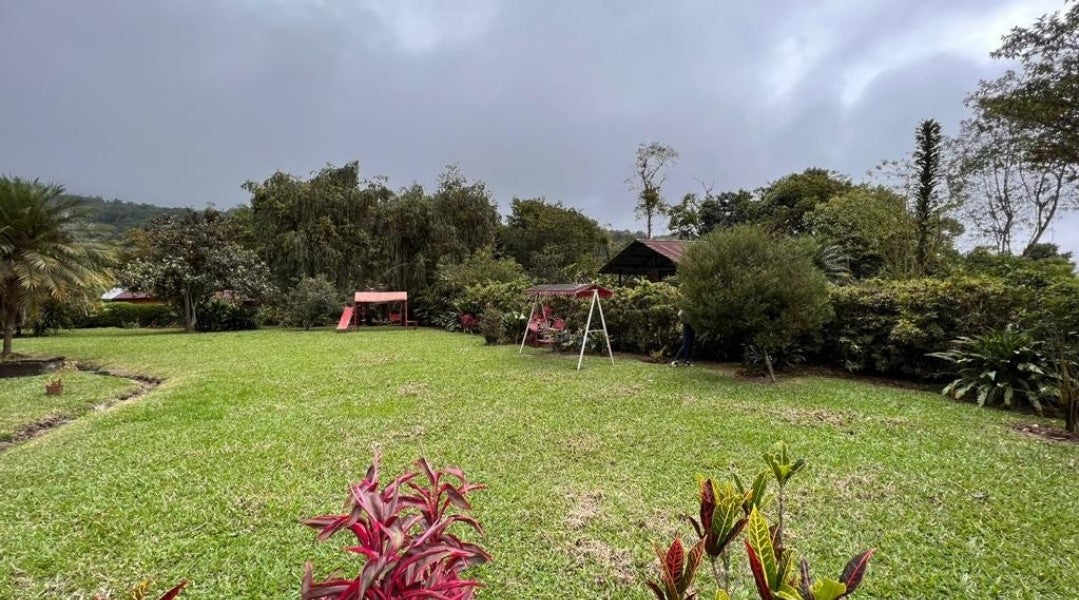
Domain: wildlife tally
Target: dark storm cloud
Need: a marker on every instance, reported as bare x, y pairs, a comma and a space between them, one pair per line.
180, 102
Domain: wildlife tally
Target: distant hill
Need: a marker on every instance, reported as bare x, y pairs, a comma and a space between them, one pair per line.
119, 216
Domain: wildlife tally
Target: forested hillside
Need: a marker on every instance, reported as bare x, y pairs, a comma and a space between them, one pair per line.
119, 216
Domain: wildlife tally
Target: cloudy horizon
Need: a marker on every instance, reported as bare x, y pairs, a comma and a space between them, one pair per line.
179, 103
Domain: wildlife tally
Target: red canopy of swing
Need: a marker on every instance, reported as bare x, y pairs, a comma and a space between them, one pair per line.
568, 290
380, 297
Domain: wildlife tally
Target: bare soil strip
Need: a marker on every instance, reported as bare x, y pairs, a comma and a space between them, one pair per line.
144, 385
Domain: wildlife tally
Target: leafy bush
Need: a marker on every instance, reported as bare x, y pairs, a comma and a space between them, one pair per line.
130, 314
226, 315
891, 327
403, 531
492, 326
1006, 366
746, 284
1030, 271
643, 317
506, 296
313, 302
727, 509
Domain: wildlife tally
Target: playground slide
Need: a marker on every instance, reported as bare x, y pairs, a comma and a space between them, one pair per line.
346, 319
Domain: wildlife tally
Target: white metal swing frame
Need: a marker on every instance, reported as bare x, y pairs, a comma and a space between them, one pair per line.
596, 303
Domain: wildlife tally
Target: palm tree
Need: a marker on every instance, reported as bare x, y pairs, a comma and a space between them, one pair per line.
47, 251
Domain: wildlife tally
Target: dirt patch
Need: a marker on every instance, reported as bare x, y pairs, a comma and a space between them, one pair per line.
815, 417
1045, 432
412, 389
618, 563
413, 433
584, 443
584, 509
32, 430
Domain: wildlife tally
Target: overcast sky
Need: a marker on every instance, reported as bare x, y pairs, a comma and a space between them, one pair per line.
180, 102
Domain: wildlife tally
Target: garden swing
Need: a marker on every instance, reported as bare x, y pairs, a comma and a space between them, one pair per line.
542, 326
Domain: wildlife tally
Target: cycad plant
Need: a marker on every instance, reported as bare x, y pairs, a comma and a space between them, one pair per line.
47, 251
1005, 366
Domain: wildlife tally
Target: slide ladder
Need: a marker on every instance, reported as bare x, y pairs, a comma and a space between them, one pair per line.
346, 319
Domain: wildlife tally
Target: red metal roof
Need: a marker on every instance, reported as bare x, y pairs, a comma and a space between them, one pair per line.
672, 249
648, 257
568, 290
380, 297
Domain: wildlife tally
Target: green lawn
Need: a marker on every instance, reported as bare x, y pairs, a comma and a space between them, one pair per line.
206, 477
23, 402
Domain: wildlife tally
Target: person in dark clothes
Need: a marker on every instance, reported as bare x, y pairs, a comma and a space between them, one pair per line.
685, 353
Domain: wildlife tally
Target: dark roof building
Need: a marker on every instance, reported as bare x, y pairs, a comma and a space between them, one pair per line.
654, 259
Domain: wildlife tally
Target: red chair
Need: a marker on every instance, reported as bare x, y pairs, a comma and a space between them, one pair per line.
469, 323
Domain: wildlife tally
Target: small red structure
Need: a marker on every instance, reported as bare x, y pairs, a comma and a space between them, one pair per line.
543, 326
356, 313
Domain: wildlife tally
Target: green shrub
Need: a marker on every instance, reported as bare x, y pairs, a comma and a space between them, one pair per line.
744, 283
130, 314
1005, 366
312, 302
491, 325
891, 327
226, 315
643, 318
506, 296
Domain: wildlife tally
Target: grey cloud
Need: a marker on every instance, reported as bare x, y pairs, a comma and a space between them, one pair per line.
180, 102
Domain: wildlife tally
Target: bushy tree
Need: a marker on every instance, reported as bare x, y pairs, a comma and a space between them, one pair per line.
552, 241
785, 202
749, 284
321, 225
312, 302
189, 258
47, 252
873, 229
1040, 97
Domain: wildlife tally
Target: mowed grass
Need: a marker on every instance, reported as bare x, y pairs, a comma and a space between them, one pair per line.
206, 477
23, 401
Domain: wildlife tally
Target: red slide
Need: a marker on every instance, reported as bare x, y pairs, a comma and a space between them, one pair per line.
346, 319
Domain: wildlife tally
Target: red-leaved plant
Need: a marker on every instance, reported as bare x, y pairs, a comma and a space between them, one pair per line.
676, 571
402, 531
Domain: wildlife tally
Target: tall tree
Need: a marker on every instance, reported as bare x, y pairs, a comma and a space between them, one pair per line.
1011, 197
653, 159
322, 225
928, 155
552, 241
684, 218
873, 230
47, 251
188, 258
725, 209
785, 202
1042, 97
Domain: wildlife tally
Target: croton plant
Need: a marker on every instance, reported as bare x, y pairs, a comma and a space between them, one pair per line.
403, 531
729, 510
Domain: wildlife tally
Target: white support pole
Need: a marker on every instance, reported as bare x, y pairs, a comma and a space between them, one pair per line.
527, 323
604, 322
587, 325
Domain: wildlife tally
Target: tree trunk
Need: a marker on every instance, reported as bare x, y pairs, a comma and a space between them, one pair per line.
768, 365
189, 313
9, 334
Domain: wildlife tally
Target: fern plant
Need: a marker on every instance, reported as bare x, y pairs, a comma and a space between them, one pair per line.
1004, 366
